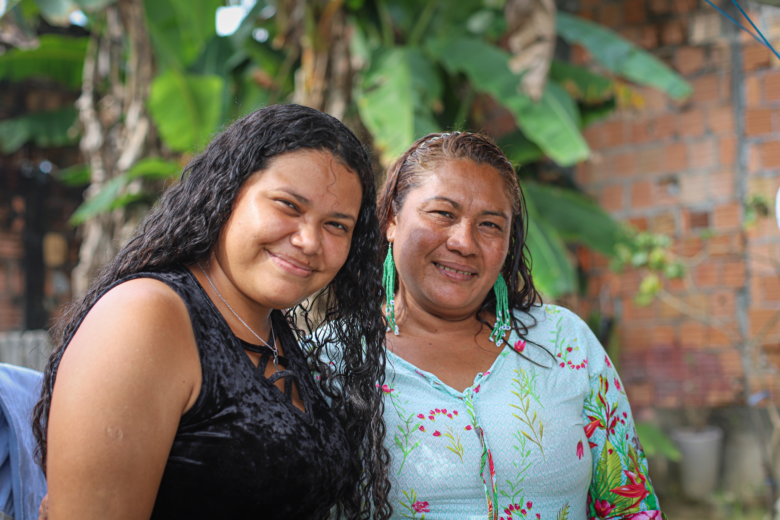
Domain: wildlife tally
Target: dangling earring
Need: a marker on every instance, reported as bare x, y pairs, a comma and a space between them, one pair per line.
502, 312
388, 281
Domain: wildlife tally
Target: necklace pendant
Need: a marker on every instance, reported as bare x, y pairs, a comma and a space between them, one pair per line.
276, 361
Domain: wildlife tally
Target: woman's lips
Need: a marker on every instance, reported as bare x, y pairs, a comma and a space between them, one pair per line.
454, 273
290, 265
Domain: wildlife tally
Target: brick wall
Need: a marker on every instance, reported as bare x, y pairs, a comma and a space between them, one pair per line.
21, 182
684, 169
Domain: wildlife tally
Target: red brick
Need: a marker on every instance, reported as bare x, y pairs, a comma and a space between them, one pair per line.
592, 135
688, 60
635, 338
610, 15
639, 223
702, 153
720, 119
613, 133
723, 304
625, 164
706, 274
692, 334
759, 318
631, 34
684, 6
649, 160
719, 338
641, 195
733, 274
728, 150
752, 91
675, 158
648, 38
770, 288
580, 55
660, 6
772, 86
722, 184
663, 224
758, 121
695, 220
634, 11
611, 198
673, 32
755, 57
664, 336
706, 89
664, 126
691, 123
11, 246
633, 312
693, 188
640, 132
727, 217
770, 153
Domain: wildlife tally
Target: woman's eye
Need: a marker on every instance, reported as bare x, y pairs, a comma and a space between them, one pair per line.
288, 204
339, 226
492, 225
444, 214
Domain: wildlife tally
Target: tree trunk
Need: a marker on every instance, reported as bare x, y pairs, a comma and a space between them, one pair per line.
116, 128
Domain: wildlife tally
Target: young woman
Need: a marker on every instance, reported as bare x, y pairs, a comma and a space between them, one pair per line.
498, 407
178, 389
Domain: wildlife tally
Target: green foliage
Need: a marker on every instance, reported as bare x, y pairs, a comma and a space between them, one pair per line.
184, 109
394, 99
621, 56
756, 206
78, 175
112, 195
59, 58
180, 29
582, 84
575, 217
552, 124
421, 65
650, 253
656, 442
45, 129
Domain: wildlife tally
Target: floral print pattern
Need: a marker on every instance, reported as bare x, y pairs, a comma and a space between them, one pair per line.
530, 439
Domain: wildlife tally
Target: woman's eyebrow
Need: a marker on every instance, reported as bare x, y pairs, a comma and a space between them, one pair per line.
457, 205
306, 202
300, 198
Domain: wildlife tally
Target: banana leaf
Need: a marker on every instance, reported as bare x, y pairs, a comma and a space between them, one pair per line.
622, 57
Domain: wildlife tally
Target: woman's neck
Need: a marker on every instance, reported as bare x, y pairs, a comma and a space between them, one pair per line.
218, 286
414, 319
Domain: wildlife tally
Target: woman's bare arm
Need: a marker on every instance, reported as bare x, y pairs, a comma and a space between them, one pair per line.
128, 375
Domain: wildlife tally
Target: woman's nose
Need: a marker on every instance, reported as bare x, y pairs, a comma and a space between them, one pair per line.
307, 239
462, 238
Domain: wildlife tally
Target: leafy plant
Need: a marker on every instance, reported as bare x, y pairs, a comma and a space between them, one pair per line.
413, 68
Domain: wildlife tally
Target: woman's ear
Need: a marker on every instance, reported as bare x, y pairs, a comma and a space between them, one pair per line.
391, 227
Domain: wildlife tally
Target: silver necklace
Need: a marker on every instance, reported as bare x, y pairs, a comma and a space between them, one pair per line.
271, 338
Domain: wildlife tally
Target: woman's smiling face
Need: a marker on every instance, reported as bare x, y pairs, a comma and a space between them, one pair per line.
291, 228
451, 237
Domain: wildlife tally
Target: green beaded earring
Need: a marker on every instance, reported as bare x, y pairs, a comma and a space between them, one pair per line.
503, 321
388, 282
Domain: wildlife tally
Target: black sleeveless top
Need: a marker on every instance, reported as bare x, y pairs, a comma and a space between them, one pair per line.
244, 450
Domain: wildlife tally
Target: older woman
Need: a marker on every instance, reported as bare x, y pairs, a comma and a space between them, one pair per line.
498, 407
178, 389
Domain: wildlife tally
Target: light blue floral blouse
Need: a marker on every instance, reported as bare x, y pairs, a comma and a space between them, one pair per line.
548, 442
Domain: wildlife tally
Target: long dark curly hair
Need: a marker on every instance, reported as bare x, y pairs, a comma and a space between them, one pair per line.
428, 152
184, 227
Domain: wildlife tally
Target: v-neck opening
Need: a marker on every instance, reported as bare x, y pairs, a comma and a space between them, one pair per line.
435, 381
257, 373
